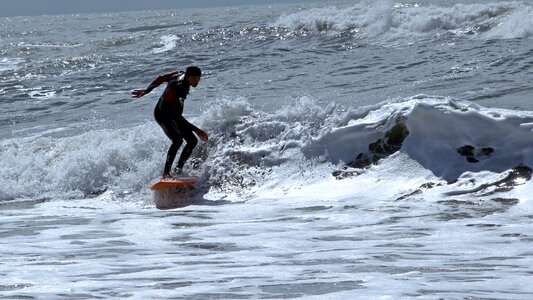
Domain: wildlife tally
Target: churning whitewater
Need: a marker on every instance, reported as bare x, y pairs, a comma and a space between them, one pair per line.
358, 149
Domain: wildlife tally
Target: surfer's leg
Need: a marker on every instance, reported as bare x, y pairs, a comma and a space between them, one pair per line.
192, 141
171, 155
172, 131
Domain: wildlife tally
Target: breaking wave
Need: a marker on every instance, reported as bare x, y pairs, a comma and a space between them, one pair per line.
396, 21
251, 151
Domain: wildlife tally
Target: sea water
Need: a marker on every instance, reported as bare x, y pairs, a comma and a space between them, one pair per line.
358, 150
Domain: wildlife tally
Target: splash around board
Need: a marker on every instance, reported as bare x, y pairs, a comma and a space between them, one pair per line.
174, 182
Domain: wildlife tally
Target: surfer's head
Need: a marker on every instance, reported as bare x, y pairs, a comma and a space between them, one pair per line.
193, 75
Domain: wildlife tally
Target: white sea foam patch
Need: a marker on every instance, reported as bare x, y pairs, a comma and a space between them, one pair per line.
251, 150
168, 43
10, 64
41, 93
121, 160
451, 139
390, 20
320, 19
517, 24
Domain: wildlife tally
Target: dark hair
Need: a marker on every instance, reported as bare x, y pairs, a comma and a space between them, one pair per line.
193, 71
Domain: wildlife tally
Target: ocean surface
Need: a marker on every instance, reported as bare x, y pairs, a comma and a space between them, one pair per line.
358, 150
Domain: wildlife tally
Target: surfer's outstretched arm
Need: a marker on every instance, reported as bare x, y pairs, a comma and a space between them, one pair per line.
157, 82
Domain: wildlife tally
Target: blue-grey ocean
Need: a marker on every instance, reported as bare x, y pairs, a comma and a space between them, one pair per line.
358, 150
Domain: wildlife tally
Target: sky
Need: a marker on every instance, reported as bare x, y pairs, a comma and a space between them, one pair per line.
10, 8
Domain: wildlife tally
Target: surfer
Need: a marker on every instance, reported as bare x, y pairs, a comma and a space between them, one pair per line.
169, 114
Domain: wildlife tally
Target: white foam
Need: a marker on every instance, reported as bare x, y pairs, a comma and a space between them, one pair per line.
10, 64
168, 42
123, 160
436, 134
319, 19
518, 24
41, 93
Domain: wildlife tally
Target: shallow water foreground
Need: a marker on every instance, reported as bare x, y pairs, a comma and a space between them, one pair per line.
333, 247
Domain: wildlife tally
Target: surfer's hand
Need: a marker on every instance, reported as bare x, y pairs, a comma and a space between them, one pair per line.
202, 135
138, 93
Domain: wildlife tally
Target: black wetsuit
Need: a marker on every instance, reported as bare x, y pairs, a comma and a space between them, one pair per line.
169, 115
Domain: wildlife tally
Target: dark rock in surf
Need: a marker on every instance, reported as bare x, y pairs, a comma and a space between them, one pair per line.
474, 155
383, 147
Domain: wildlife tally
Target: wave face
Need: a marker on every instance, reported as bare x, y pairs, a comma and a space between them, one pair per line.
251, 151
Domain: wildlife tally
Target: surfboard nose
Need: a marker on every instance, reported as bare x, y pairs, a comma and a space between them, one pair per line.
174, 182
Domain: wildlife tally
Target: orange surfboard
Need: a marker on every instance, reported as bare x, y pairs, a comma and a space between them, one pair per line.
174, 182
